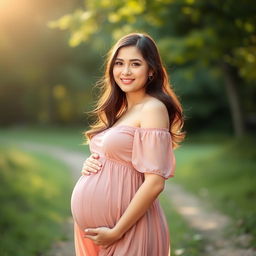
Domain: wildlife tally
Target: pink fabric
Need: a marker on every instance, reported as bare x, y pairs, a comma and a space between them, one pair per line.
100, 199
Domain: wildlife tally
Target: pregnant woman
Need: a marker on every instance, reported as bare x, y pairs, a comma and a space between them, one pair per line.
138, 124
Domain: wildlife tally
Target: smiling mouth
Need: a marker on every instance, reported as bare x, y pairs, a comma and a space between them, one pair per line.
127, 80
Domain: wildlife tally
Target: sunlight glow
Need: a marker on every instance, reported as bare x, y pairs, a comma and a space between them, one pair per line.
15, 9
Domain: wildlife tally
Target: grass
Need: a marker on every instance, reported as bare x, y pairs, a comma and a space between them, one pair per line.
34, 200
68, 137
184, 240
223, 174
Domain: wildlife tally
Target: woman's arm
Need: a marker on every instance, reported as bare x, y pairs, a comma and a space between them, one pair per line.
153, 115
141, 202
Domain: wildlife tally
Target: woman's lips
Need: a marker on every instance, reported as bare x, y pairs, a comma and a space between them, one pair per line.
127, 80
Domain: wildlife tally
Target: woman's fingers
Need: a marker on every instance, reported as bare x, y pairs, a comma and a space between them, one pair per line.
87, 170
91, 165
93, 162
94, 155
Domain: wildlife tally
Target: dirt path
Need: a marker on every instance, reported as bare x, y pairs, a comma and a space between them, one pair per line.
210, 223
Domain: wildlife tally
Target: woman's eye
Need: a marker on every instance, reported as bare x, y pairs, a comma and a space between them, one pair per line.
136, 64
118, 63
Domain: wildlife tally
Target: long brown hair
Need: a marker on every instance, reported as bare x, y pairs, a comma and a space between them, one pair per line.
112, 101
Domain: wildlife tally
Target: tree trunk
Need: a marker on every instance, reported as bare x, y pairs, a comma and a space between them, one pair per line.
232, 80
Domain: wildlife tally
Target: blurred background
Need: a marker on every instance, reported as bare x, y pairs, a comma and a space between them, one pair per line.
51, 55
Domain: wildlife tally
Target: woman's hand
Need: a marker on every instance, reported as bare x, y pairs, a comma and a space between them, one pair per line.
102, 236
91, 165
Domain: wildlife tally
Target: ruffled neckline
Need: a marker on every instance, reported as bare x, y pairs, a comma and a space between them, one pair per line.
137, 127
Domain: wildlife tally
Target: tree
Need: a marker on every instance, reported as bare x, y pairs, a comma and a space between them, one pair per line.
191, 32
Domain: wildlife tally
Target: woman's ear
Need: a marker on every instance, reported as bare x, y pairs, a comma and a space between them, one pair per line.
150, 75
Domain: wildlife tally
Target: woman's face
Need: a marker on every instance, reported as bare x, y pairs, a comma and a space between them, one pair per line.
130, 70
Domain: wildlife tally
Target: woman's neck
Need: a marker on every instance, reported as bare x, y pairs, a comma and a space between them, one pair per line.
134, 99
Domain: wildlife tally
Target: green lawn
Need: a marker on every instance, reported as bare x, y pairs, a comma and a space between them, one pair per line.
68, 137
223, 173
34, 196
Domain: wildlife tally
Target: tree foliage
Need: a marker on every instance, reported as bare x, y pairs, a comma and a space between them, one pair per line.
208, 48
187, 29
193, 35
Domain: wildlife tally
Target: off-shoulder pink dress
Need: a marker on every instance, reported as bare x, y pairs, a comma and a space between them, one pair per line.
99, 200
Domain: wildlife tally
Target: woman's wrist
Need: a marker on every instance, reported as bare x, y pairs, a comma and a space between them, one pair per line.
117, 232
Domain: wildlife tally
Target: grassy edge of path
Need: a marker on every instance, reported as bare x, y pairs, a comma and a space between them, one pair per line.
184, 239
35, 193
223, 175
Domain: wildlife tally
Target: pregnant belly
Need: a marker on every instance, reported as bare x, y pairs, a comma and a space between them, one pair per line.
100, 199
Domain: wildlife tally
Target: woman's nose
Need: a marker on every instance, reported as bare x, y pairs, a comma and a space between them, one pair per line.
126, 70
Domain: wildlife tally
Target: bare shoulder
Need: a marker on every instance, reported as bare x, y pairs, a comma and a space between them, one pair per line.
154, 114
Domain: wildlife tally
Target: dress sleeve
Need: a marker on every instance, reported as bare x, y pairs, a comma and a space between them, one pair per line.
153, 153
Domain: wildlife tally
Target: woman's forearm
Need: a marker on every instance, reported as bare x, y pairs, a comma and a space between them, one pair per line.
143, 199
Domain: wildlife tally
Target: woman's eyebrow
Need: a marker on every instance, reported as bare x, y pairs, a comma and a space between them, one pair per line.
129, 60
136, 60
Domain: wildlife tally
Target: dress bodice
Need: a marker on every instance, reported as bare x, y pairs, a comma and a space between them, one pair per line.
147, 149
